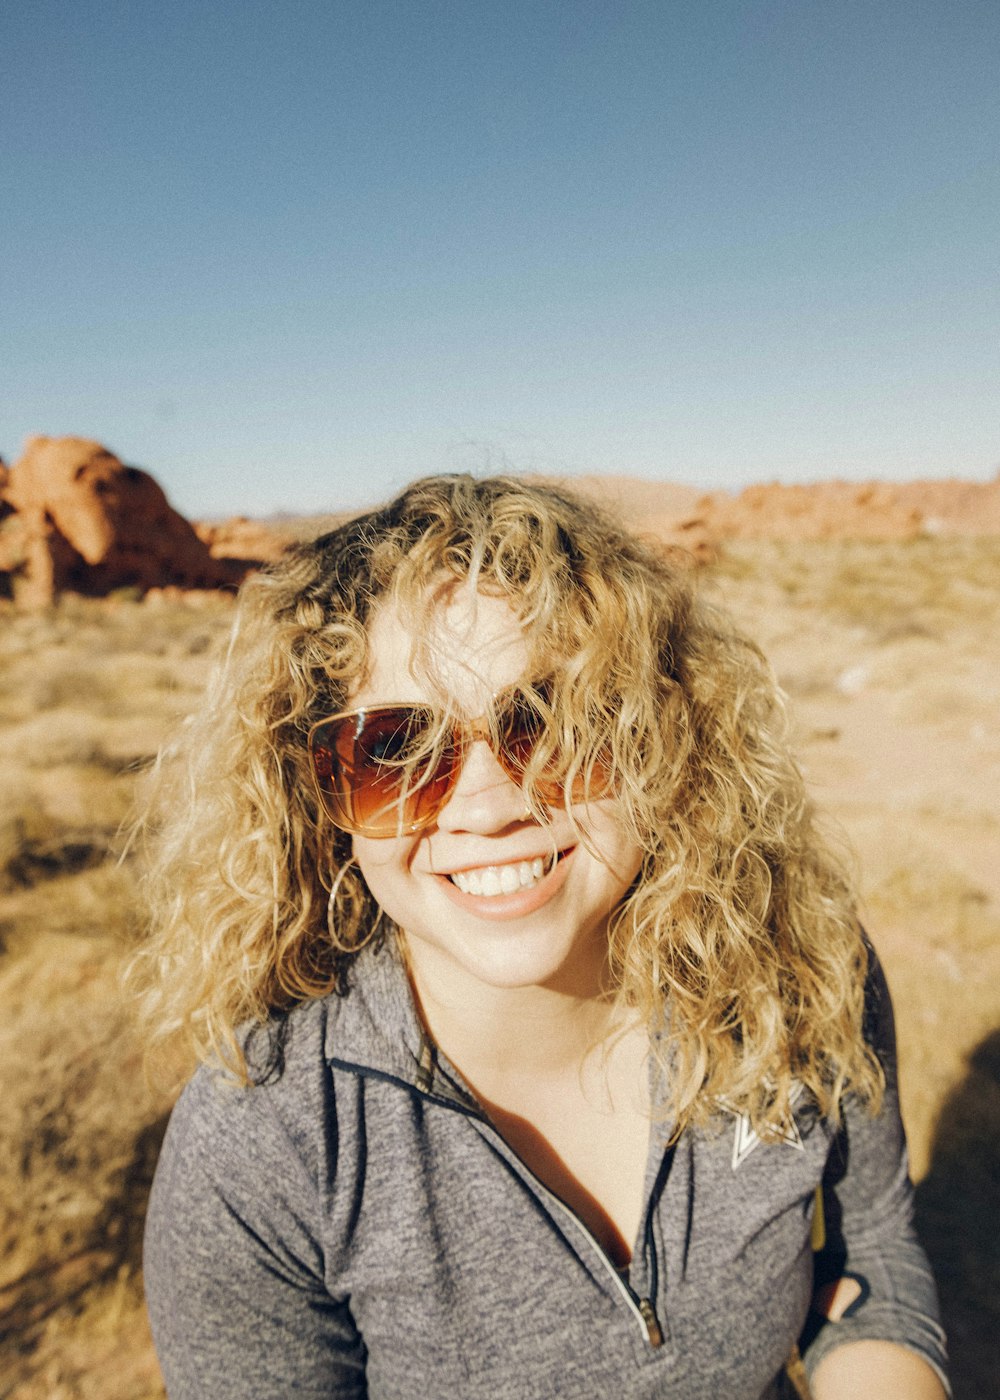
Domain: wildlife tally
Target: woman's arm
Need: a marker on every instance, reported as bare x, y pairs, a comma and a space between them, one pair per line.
874, 1329
875, 1371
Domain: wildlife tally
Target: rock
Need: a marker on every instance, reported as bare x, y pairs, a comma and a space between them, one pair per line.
824, 510
665, 511
80, 520
689, 538
241, 538
73, 517
869, 510
954, 507
820, 511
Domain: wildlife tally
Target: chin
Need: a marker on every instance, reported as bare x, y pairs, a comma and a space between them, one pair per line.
495, 955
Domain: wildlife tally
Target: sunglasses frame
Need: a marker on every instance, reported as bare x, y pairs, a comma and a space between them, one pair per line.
463, 733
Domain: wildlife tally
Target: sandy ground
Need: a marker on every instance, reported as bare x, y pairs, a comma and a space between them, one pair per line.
888, 653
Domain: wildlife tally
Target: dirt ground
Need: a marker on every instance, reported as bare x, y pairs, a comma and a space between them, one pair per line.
888, 653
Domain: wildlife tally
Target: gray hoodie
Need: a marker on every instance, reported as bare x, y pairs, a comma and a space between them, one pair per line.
354, 1226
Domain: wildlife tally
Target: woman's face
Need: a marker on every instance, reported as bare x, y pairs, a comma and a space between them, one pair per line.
489, 893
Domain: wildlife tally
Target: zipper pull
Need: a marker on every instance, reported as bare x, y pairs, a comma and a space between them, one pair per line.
653, 1331
817, 1236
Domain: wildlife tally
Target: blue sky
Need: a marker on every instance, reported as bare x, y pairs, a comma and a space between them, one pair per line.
290, 255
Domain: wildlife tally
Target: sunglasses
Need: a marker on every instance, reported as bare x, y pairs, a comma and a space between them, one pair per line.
387, 770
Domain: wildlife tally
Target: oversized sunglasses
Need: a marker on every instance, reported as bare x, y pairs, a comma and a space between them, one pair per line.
387, 770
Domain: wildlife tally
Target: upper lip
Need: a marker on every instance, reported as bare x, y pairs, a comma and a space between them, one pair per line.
493, 859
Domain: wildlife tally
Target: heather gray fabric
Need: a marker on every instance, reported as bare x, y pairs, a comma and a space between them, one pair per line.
354, 1227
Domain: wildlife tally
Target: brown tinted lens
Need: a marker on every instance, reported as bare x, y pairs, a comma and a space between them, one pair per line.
377, 773
322, 753
521, 727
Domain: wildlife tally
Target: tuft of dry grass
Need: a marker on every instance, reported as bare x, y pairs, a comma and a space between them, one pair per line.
890, 588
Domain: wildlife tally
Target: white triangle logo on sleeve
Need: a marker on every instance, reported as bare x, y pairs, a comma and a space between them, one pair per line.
745, 1138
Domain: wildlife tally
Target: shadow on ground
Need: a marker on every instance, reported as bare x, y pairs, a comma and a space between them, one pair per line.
958, 1218
60, 1289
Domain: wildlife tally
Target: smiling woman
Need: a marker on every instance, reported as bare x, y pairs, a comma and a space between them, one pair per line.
486, 874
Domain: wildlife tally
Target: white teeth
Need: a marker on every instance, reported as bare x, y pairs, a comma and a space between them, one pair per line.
500, 879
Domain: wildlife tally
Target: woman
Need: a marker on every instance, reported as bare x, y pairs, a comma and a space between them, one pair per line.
486, 874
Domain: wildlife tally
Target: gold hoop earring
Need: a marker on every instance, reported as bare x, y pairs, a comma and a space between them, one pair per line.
332, 900
331, 910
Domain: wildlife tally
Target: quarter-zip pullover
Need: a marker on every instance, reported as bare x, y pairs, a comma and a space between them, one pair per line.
353, 1225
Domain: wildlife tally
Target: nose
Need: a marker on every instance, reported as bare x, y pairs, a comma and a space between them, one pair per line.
484, 799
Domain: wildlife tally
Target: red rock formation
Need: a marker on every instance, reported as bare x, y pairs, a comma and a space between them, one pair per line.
241, 538
872, 510
670, 513
80, 520
822, 511
954, 507
72, 516
856, 510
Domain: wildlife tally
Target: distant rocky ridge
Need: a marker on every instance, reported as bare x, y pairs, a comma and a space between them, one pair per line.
825, 510
75, 518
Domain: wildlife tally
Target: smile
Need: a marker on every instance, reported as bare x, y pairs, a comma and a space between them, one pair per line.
512, 889
489, 880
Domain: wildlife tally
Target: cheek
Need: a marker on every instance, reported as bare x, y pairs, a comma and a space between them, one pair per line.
385, 867
606, 832
625, 866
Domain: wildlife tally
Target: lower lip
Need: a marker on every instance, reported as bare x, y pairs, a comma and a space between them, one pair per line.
519, 902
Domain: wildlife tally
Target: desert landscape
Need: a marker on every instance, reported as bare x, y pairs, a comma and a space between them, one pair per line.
879, 607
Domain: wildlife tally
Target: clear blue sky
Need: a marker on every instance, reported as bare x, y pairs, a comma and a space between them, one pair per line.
287, 255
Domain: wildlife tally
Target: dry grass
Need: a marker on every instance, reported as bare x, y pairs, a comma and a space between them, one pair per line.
87, 694
888, 652
891, 655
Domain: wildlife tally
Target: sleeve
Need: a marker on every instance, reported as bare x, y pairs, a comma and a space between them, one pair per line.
868, 1218
233, 1261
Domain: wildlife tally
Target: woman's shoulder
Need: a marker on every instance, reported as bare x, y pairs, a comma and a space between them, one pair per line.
241, 1185
219, 1122
293, 1057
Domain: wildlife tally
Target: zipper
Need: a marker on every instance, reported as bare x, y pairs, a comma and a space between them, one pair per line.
641, 1308
659, 1185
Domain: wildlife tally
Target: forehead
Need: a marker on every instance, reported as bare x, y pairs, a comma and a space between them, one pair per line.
458, 647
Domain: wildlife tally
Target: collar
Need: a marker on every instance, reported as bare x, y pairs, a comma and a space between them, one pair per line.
373, 1027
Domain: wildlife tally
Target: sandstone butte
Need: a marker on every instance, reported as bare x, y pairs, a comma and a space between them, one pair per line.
74, 518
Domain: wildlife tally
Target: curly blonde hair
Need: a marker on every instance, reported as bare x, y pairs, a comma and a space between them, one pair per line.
741, 920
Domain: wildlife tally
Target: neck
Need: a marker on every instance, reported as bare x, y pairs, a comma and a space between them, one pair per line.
534, 1030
